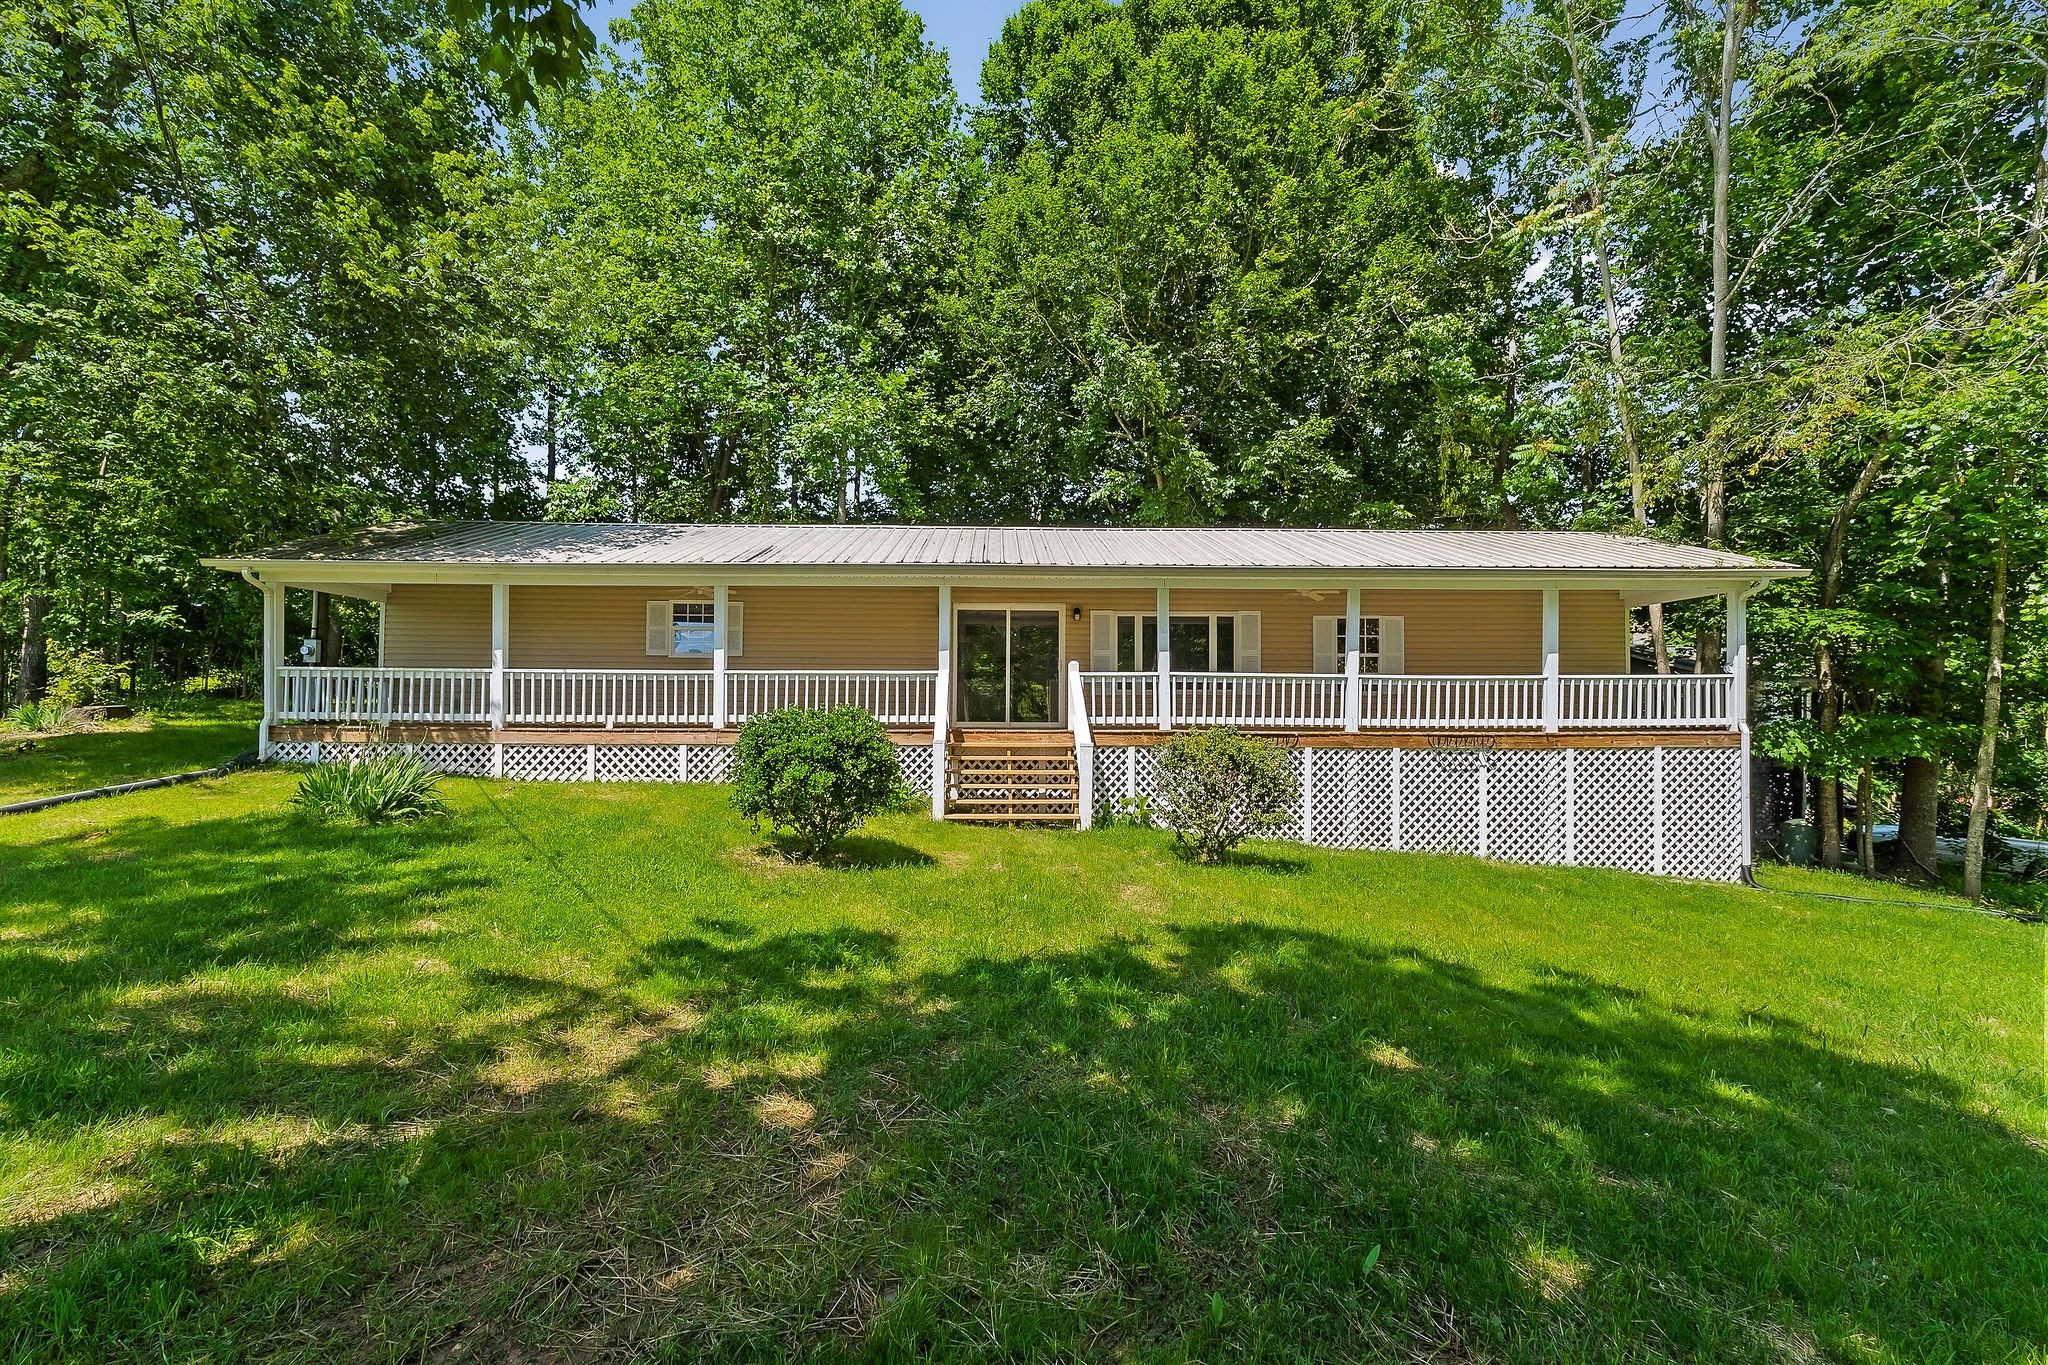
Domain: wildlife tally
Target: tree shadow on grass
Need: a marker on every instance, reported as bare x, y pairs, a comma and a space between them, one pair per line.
755, 1146
1265, 859
855, 851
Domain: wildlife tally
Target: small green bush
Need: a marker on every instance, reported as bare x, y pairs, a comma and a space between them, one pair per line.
39, 716
817, 775
371, 791
1220, 786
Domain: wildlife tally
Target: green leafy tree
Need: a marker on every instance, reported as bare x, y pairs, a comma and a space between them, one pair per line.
244, 298
1212, 276
735, 236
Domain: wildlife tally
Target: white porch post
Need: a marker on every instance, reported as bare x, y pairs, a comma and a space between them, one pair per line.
1738, 661
501, 636
720, 604
1165, 611
1354, 699
1553, 688
273, 662
1738, 708
942, 701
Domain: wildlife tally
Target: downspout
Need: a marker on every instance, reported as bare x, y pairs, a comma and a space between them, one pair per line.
264, 668
1731, 659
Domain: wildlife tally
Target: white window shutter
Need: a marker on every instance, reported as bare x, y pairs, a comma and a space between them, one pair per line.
660, 628
735, 629
1248, 655
1324, 637
1102, 642
1393, 644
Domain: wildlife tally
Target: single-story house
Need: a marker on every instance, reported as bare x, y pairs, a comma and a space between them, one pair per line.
1460, 690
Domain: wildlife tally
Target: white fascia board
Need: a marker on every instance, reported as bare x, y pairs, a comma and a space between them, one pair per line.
1639, 585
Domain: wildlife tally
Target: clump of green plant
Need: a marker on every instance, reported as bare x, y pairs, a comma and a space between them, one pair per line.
378, 789
38, 716
816, 775
1134, 811
79, 677
1219, 787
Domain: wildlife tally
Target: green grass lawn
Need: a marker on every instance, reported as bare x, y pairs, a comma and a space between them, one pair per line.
193, 734
585, 1073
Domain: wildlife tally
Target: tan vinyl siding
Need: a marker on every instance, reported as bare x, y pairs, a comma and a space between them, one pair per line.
1592, 632
591, 627
1447, 632
429, 625
840, 627
437, 625
784, 627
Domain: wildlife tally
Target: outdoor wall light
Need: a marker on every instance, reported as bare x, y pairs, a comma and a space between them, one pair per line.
1073, 613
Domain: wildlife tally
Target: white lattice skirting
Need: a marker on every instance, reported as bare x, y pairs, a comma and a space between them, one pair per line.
581, 762
1667, 810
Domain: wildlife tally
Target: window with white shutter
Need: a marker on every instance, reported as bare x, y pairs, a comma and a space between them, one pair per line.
1393, 644
735, 629
1381, 644
685, 630
1326, 634
1249, 656
659, 619
1102, 642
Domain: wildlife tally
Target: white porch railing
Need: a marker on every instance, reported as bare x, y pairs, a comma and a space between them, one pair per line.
1122, 698
1294, 701
1303, 701
1445, 702
607, 696
384, 694
894, 697
1290, 700
1646, 700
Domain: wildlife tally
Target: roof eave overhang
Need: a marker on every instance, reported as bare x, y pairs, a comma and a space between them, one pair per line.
1639, 584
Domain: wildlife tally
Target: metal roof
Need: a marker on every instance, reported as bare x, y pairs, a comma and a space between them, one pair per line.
538, 544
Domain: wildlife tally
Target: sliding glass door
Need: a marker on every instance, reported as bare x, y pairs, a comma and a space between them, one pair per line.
1007, 666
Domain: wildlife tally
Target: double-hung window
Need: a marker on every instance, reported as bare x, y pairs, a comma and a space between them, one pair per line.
689, 630
1381, 644
1214, 642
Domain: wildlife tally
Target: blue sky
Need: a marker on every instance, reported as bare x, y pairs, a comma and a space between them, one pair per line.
964, 28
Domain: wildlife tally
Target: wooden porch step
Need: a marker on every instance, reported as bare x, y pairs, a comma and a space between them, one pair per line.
1019, 818
1012, 779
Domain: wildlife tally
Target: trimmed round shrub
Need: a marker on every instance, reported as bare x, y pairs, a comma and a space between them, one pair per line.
816, 776
379, 789
1219, 787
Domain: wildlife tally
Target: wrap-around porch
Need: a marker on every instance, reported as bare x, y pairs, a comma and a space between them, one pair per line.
1020, 666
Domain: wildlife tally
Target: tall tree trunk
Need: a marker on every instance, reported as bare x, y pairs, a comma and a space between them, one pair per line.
1866, 821
1919, 774
1504, 449
1603, 265
7, 572
1829, 686
326, 629
1714, 476
1987, 736
1828, 803
35, 648
1919, 810
554, 449
721, 465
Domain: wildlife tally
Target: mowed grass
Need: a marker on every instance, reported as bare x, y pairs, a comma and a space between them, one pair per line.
588, 1073
198, 733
